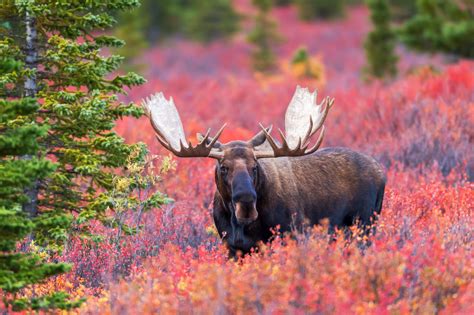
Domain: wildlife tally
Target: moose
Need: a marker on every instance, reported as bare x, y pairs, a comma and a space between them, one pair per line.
263, 183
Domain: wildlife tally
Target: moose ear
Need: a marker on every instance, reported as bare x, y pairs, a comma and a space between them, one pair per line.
216, 145
260, 137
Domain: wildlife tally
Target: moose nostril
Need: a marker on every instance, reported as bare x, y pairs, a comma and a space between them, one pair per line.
245, 212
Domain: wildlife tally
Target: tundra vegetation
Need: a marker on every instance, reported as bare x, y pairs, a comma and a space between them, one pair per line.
419, 126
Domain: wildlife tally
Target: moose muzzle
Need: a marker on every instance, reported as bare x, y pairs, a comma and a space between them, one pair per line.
245, 213
244, 199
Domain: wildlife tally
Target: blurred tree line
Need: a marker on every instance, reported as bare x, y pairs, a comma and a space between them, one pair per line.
445, 26
204, 20
431, 25
208, 20
330, 9
154, 21
441, 26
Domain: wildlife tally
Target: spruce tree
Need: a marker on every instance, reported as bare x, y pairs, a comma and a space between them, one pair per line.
380, 42
207, 20
441, 26
264, 36
77, 88
320, 9
19, 134
402, 9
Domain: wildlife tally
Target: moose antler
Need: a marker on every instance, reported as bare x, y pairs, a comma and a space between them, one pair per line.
303, 118
164, 118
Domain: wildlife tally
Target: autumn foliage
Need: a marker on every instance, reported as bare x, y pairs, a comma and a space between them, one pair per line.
421, 127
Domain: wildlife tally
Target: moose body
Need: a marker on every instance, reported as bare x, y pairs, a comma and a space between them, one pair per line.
263, 184
291, 192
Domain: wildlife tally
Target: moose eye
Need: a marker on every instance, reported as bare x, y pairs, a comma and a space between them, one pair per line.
224, 170
255, 170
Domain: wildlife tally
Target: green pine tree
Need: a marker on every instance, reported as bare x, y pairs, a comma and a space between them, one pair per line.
402, 9
264, 36
441, 26
78, 91
207, 20
380, 42
320, 9
19, 134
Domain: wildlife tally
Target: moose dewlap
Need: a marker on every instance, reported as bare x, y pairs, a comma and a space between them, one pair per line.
262, 183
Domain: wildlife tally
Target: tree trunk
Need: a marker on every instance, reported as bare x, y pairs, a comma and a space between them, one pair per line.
31, 51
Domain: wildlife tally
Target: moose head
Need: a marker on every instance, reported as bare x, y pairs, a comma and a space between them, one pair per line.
238, 173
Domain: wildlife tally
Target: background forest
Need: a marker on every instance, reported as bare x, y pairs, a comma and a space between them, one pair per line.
97, 218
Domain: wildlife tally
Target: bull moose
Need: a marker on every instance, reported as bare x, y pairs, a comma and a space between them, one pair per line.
263, 183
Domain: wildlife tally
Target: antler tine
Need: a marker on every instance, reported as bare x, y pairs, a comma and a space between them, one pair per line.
331, 101
282, 150
285, 149
218, 134
202, 149
309, 133
284, 141
328, 102
163, 142
180, 152
270, 139
296, 142
166, 122
317, 144
212, 153
206, 136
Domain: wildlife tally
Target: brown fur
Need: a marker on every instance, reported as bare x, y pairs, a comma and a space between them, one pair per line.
334, 183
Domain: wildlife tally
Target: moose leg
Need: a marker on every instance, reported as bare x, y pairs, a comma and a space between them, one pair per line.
378, 208
367, 224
